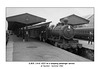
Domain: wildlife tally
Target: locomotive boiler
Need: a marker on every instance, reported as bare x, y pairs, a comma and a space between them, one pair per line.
65, 31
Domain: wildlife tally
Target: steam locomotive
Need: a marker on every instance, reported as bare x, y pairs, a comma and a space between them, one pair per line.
62, 36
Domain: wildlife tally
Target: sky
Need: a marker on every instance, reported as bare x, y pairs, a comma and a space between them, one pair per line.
50, 13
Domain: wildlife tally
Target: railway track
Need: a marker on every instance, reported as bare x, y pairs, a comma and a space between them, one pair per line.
83, 52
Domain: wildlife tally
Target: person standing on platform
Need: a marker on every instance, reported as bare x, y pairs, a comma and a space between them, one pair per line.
44, 36
23, 35
26, 35
41, 36
7, 37
90, 38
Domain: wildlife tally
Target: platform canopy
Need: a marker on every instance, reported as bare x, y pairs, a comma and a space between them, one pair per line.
22, 20
75, 20
39, 25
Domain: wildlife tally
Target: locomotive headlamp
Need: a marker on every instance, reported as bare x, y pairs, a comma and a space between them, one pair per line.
69, 27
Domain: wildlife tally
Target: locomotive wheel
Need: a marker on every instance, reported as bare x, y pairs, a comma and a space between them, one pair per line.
62, 46
56, 44
66, 46
70, 50
75, 50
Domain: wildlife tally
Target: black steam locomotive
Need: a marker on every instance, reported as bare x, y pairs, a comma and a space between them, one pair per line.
61, 36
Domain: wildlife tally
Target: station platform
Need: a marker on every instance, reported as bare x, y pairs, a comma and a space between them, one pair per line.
86, 45
34, 50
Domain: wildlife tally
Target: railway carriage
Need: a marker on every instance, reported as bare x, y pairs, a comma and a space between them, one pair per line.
84, 33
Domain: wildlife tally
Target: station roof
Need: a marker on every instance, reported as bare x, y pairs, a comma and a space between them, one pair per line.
23, 20
75, 20
91, 21
39, 25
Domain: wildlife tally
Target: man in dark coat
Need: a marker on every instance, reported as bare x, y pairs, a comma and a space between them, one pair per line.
23, 35
90, 38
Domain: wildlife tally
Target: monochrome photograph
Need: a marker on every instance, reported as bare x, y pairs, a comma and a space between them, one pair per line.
58, 34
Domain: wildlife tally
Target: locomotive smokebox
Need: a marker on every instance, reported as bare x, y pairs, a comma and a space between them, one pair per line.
65, 31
